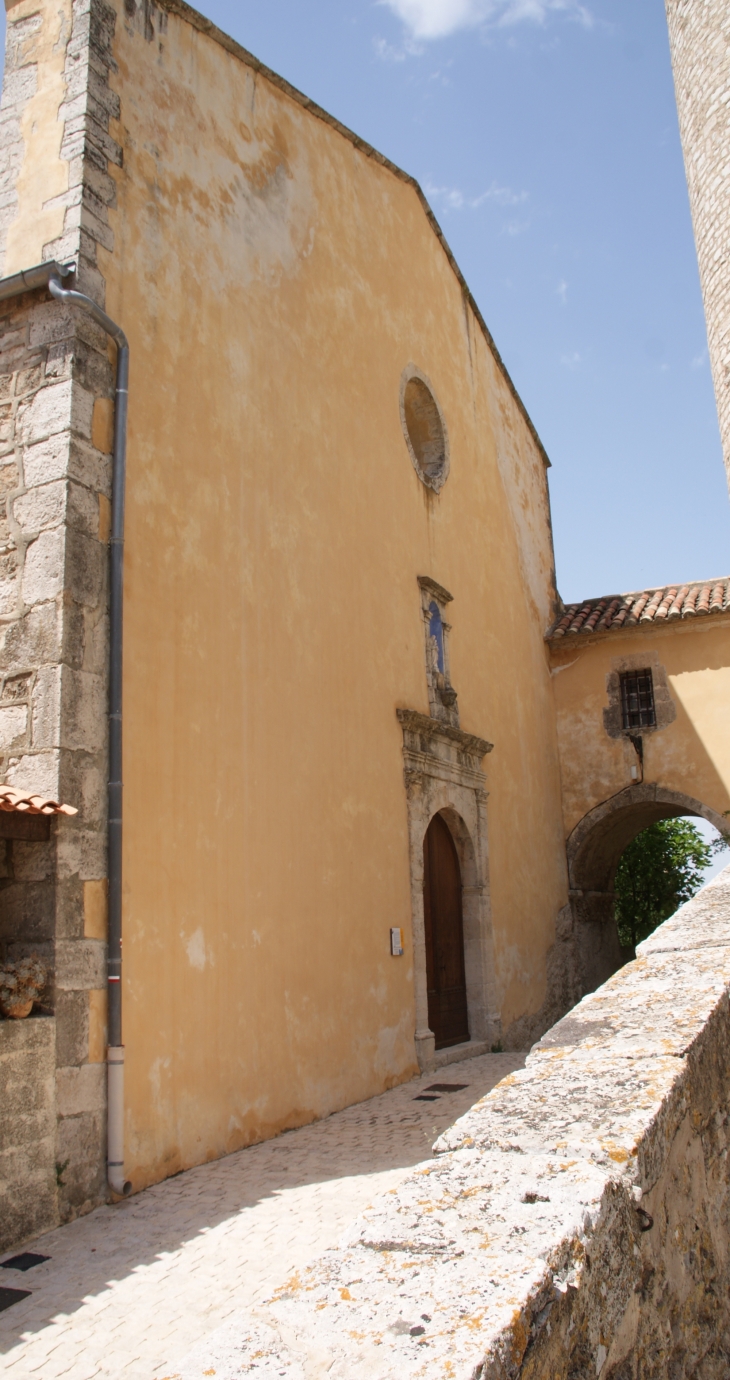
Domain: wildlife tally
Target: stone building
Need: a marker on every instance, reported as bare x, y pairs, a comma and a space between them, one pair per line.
699, 32
358, 730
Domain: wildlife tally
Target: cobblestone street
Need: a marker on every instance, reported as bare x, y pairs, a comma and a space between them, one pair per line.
131, 1289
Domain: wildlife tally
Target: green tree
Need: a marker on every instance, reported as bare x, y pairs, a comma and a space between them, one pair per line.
661, 869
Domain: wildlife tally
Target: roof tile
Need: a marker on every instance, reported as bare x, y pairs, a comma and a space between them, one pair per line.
665, 604
13, 801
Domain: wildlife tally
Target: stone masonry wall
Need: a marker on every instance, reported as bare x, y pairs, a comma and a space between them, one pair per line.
53, 665
53, 649
575, 1224
28, 1197
56, 411
699, 32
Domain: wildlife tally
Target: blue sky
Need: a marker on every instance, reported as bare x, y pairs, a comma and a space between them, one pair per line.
544, 133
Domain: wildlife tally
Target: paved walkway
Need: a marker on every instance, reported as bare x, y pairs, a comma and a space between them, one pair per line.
130, 1289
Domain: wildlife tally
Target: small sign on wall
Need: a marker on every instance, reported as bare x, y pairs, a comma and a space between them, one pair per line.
396, 943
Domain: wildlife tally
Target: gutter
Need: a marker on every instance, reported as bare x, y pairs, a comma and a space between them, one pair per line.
51, 276
29, 279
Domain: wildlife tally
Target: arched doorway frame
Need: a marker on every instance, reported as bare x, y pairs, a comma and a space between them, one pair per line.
443, 777
594, 850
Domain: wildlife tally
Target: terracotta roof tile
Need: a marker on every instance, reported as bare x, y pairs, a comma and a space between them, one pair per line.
26, 802
644, 606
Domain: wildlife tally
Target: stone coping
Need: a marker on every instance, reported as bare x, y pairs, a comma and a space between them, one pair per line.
575, 1221
17, 1034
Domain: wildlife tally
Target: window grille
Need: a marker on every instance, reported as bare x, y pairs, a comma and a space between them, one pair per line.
637, 700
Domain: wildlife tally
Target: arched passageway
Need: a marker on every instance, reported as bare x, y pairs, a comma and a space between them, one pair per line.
594, 850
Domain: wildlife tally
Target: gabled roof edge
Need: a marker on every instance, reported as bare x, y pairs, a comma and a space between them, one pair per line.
207, 27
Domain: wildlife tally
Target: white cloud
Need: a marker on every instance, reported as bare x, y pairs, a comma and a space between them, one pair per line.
503, 196
515, 227
562, 291
699, 360
452, 199
430, 19
387, 53
572, 361
436, 18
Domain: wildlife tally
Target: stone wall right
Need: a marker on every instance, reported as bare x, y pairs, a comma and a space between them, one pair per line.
699, 33
574, 1225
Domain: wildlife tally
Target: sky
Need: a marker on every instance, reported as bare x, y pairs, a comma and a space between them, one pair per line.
720, 860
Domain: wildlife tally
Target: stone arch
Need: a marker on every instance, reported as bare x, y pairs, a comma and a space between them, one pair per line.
443, 776
594, 850
480, 996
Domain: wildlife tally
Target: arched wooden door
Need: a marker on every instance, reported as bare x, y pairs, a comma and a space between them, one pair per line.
445, 977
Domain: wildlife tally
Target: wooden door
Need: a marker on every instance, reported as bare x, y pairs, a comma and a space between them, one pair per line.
445, 977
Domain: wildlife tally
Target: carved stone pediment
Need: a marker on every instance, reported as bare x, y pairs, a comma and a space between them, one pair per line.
434, 748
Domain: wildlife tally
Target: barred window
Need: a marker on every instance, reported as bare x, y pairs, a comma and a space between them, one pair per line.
637, 700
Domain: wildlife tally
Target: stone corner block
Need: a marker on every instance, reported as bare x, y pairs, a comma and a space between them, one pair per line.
80, 965
80, 1090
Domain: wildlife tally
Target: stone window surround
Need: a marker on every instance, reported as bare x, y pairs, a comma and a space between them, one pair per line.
412, 371
443, 775
664, 706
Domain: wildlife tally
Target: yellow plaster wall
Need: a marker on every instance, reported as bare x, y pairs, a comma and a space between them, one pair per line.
274, 282
691, 755
36, 37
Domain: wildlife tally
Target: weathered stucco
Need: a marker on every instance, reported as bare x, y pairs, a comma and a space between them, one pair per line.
275, 532
275, 537
576, 1224
689, 752
35, 181
615, 783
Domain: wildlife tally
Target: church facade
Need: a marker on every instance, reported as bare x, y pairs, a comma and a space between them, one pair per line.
357, 740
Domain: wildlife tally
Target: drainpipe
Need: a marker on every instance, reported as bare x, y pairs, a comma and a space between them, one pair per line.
115, 1051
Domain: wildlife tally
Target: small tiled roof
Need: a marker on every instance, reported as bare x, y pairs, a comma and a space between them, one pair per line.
664, 605
13, 801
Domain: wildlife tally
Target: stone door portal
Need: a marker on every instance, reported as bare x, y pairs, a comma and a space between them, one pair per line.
444, 930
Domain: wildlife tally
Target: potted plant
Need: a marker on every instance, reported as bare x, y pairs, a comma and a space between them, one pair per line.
21, 984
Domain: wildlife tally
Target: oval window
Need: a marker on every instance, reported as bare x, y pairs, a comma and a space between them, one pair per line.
424, 429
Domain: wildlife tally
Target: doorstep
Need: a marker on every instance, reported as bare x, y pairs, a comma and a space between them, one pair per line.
471, 1049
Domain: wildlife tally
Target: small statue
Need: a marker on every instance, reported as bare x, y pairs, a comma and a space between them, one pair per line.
433, 659
436, 661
